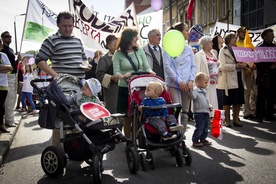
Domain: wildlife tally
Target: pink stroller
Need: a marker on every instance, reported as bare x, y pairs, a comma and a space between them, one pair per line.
147, 137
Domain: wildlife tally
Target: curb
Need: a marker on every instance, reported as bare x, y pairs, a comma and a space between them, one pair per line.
6, 139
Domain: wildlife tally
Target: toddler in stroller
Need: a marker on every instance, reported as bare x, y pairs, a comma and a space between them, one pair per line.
157, 124
85, 139
159, 118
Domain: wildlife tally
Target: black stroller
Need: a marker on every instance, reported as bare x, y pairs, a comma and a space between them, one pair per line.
147, 137
80, 141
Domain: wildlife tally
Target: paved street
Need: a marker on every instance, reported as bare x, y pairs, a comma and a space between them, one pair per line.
245, 155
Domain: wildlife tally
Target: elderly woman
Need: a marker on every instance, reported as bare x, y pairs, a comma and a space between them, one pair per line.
230, 80
207, 62
105, 75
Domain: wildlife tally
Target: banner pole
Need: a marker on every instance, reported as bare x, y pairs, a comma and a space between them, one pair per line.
26, 14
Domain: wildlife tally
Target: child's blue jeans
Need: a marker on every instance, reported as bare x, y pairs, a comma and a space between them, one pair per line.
201, 126
30, 99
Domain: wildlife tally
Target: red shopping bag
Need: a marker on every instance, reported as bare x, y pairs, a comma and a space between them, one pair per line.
217, 124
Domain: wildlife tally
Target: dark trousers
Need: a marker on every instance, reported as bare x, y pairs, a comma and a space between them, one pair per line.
265, 102
3, 95
160, 125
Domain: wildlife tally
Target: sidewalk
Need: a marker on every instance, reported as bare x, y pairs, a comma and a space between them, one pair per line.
7, 138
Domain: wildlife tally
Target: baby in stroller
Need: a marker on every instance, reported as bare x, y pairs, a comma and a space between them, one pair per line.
159, 118
89, 93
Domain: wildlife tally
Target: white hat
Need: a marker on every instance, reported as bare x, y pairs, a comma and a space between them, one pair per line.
94, 85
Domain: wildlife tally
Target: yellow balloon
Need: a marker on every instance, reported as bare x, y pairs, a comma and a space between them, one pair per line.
174, 43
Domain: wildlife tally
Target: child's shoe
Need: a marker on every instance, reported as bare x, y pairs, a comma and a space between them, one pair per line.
169, 136
197, 144
176, 127
205, 142
22, 110
34, 112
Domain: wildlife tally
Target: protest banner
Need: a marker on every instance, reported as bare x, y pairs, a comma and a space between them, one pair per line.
259, 54
41, 22
221, 29
147, 22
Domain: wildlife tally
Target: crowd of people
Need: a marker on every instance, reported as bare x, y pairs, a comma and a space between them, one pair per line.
225, 82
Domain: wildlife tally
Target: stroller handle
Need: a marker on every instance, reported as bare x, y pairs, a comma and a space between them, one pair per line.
139, 73
39, 80
165, 106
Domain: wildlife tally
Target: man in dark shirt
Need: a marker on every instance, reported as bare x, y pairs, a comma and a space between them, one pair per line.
12, 80
266, 82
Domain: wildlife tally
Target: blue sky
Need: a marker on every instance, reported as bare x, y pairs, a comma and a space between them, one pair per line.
15, 7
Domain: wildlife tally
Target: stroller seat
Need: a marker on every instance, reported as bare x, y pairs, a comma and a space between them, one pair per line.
147, 137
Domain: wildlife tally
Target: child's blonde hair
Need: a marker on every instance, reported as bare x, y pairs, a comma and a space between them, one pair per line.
200, 76
157, 87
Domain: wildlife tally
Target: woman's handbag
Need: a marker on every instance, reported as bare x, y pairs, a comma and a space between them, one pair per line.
247, 72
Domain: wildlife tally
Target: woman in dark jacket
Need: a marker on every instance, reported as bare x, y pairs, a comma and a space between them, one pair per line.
105, 75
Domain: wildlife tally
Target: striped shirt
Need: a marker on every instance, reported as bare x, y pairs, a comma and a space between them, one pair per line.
65, 53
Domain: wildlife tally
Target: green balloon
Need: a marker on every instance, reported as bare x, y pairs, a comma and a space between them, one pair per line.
174, 43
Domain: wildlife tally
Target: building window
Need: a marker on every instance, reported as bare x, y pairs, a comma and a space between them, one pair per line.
203, 12
223, 8
213, 12
252, 14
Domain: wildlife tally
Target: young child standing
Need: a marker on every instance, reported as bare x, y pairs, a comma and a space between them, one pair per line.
202, 109
27, 90
159, 118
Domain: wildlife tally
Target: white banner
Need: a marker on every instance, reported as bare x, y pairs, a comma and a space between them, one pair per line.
93, 31
41, 22
147, 22
255, 35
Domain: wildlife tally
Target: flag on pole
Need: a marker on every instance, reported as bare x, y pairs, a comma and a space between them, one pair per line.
40, 22
190, 10
247, 41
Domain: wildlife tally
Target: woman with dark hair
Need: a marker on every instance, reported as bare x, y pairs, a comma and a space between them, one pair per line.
180, 73
230, 80
217, 45
5, 67
127, 59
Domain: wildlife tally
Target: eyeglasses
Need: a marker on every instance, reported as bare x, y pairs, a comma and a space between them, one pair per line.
7, 36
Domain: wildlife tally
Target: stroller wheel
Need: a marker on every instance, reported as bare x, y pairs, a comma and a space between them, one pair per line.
96, 166
53, 161
179, 157
132, 159
152, 161
143, 161
187, 156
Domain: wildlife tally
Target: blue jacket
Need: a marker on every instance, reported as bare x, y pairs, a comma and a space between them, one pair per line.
177, 71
